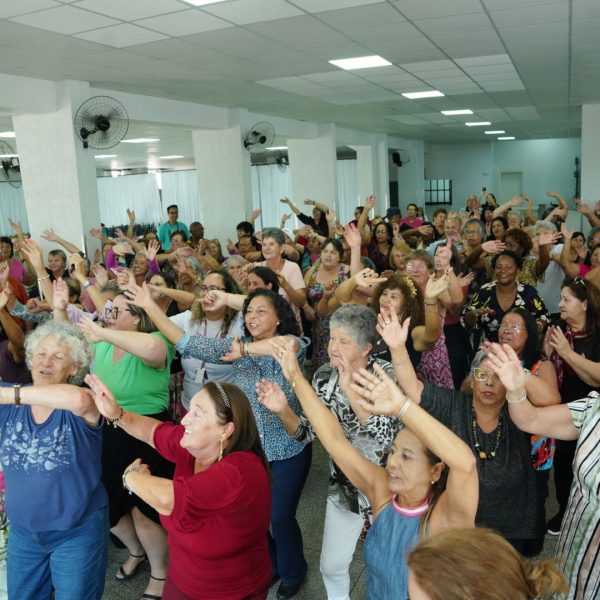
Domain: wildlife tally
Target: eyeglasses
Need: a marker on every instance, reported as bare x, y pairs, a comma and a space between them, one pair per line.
510, 329
418, 266
482, 375
114, 312
469, 231
203, 289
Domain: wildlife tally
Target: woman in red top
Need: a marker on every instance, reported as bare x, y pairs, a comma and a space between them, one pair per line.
217, 508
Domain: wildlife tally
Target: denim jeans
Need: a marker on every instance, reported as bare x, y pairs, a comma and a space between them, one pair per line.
285, 539
72, 561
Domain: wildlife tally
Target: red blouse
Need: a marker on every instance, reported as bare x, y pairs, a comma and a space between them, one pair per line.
217, 531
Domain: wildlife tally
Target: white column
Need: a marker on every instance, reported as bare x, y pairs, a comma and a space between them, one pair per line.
59, 176
590, 152
224, 184
313, 168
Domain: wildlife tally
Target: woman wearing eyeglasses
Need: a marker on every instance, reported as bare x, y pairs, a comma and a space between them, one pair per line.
133, 360
216, 323
507, 485
519, 331
574, 348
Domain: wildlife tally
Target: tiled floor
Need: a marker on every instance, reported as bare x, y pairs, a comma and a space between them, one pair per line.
310, 515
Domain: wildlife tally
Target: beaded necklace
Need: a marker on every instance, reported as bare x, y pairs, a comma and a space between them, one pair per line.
483, 454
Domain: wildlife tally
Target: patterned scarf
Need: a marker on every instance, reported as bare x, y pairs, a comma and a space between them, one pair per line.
560, 365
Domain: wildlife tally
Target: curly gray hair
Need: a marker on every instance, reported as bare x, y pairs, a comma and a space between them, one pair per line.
68, 335
359, 322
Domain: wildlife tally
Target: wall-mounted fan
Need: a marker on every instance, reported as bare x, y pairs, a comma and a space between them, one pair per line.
9, 161
101, 122
260, 137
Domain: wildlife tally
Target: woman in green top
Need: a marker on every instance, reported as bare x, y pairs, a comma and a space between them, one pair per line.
133, 359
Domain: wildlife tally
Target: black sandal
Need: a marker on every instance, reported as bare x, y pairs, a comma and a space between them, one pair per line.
153, 596
126, 576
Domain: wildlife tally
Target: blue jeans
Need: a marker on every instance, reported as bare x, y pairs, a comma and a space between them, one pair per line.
72, 561
285, 539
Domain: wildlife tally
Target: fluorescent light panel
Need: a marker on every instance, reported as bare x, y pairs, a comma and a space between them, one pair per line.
172, 156
507, 137
140, 140
202, 2
478, 123
495, 132
452, 113
417, 95
106, 155
360, 62
7, 134
9, 155
278, 148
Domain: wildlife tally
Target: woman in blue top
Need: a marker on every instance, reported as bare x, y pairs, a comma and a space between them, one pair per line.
266, 314
50, 448
416, 494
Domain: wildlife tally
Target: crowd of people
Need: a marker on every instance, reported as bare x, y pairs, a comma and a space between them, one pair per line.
165, 393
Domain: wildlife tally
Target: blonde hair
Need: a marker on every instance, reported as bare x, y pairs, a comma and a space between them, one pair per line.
477, 563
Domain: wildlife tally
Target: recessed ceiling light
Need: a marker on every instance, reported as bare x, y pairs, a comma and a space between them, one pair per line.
201, 2
508, 137
140, 140
360, 62
451, 113
416, 95
7, 134
278, 148
9, 156
106, 155
172, 156
478, 123
495, 132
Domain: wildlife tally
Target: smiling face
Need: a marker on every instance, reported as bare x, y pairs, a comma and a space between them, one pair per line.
572, 309
514, 220
329, 256
513, 332
398, 260
261, 318
5, 251
506, 270
121, 317
418, 271
595, 257
214, 250
392, 299
314, 246
271, 249
213, 281
472, 234
140, 266
56, 263
176, 241
202, 428
452, 230
51, 362
498, 230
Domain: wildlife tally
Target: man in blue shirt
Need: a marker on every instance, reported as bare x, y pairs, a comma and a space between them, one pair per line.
166, 229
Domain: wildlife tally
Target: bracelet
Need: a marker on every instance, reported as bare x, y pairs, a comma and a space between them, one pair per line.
522, 399
430, 303
403, 409
113, 422
17, 391
42, 278
86, 284
123, 478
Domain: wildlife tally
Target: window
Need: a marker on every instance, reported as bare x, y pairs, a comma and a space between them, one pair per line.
438, 191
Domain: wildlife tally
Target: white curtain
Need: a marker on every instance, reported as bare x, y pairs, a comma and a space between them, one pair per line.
347, 190
270, 183
12, 205
181, 188
137, 192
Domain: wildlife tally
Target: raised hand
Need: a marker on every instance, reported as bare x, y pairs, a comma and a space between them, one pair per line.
370, 203
125, 278
255, 214
5, 296
139, 296
391, 331
35, 305
546, 238
131, 216
283, 353
425, 230
91, 329
329, 288
558, 341
379, 393
120, 234
352, 236
493, 247
284, 200
101, 275
60, 296
122, 249
152, 250
105, 402
466, 280
435, 286
566, 232
367, 278
503, 360
4, 273
48, 234
16, 225
96, 232
235, 352
33, 253
269, 394
584, 209
285, 217
330, 216
309, 202
230, 246
76, 262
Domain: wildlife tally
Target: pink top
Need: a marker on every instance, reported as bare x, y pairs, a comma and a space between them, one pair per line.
416, 222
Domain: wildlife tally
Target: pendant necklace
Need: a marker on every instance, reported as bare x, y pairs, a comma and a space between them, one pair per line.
483, 454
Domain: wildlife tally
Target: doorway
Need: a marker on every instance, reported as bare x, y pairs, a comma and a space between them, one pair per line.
511, 185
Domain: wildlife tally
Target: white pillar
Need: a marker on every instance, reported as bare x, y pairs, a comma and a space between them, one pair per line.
590, 152
224, 184
313, 168
59, 176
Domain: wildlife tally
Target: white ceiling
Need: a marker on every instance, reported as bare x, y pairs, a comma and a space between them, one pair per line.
525, 65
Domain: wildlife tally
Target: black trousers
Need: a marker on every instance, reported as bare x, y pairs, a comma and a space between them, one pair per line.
563, 472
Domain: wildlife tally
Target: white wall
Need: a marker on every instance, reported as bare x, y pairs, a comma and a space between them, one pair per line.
545, 164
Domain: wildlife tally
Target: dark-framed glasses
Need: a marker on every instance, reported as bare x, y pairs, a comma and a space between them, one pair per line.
203, 289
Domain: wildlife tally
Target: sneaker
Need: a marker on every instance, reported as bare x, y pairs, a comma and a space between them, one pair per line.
554, 524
